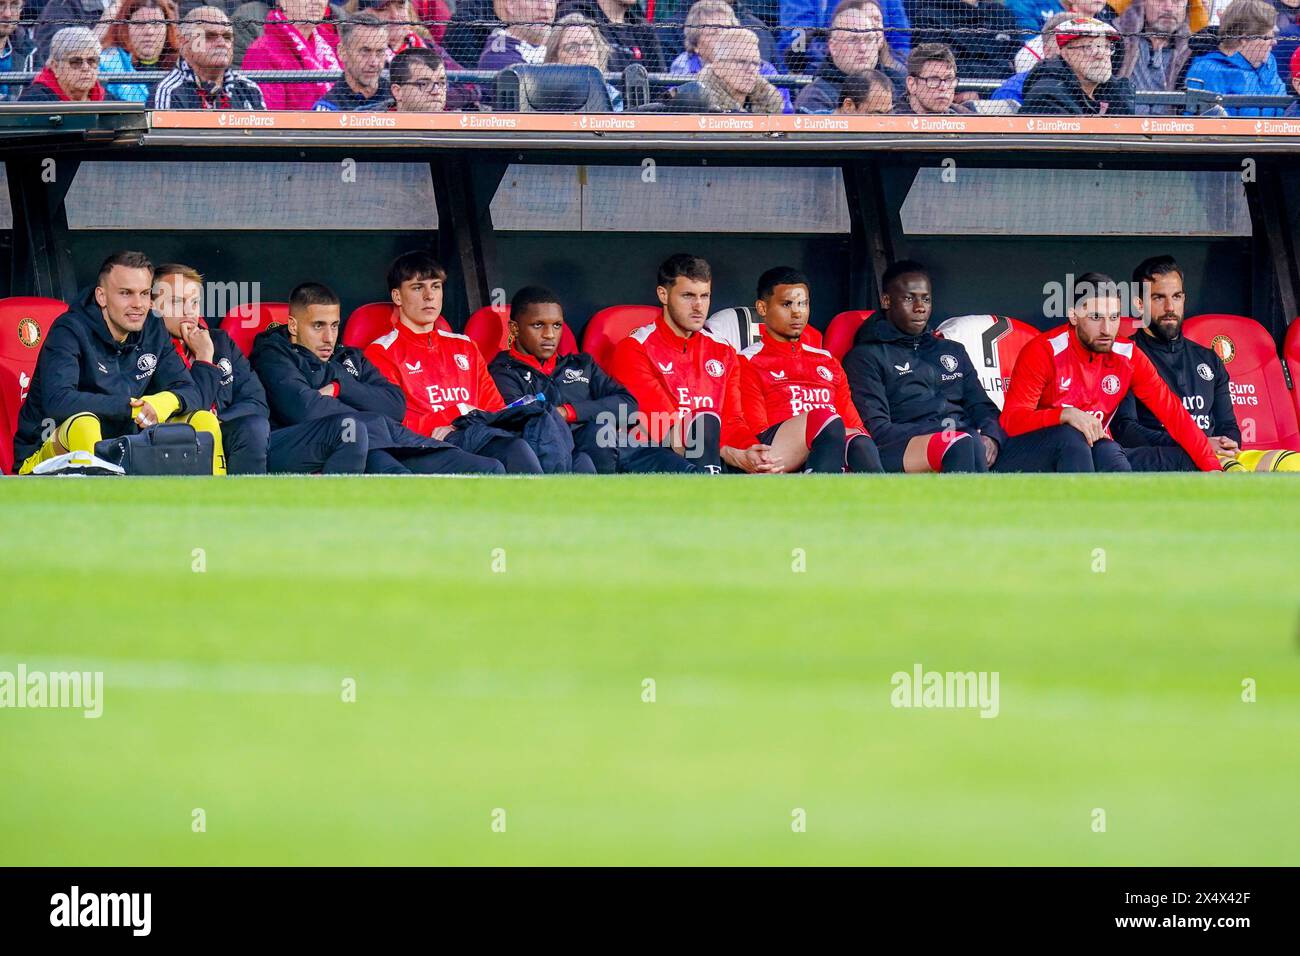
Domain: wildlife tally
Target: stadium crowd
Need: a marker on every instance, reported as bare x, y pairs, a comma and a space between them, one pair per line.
676, 395
813, 56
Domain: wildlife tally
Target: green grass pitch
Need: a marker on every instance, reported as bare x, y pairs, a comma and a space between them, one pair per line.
520, 688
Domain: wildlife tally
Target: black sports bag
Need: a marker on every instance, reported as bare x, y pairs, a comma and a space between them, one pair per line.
169, 449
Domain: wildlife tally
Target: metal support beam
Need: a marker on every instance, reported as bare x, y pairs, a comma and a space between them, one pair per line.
1270, 226
42, 260
464, 191
871, 248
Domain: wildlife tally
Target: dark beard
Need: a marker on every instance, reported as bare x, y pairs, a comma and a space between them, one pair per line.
1166, 333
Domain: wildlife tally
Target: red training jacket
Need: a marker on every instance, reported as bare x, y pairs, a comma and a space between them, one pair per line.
672, 378
782, 380
1056, 371
442, 374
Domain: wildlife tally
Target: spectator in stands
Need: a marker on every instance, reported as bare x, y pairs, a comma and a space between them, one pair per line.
405, 31
467, 33
1034, 14
1082, 81
869, 93
1294, 108
695, 25
981, 33
1040, 48
141, 36
730, 84
419, 81
70, 73
931, 82
708, 26
856, 44
17, 48
249, 19
1288, 37
631, 38
1156, 47
294, 39
1243, 64
434, 15
363, 43
204, 80
522, 39
60, 14
577, 41
803, 42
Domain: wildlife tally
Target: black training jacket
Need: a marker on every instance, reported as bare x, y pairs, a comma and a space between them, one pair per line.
228, 383
909, 385
293, 377
82, 368
1196, 376
577, 381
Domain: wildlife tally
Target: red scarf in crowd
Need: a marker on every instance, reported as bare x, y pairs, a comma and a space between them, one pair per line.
46, 78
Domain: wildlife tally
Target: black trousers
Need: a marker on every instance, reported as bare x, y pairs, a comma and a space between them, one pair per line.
333, 445
1160, 458
431, 461
1060, 448
246, 441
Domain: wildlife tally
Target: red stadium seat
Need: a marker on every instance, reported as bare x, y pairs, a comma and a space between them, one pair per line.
1291, 361
610, 326
489, 327
1264, 406
839, 334
1128, 325
993, 343
367, 323
243, 323
812, 337
24, 322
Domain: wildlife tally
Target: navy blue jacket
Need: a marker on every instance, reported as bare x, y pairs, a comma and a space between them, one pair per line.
82, 368
909, 385
293, 377
577, 381
228, 383
1196, 376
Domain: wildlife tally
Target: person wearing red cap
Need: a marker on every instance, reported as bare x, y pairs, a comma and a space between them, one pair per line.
1082, 80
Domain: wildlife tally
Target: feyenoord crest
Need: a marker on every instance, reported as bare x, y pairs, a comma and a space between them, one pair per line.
226, 368
146, 362
462, 362
29, 333
948, 362
1110, 384
825, 373
572, 375
1223, 348
1205, 372
347, 364
714, 368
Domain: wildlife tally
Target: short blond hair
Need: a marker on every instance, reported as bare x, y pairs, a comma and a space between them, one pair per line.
704, 14
572, 21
